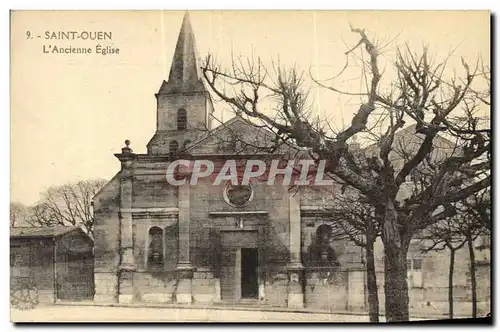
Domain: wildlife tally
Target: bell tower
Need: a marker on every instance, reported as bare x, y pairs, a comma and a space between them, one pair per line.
184, 106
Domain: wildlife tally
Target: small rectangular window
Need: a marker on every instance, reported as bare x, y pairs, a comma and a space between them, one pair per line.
181, 119
414, 272
417, 280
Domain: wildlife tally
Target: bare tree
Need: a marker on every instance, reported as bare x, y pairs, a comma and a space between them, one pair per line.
69, 204
40, 215
419, 92
441, 236
18, 215
472, 225
357, 221
478, 206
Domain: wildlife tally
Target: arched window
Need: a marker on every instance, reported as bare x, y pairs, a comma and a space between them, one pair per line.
173, 147
155, 249
324, 254
323, 234
187, 143
181, 119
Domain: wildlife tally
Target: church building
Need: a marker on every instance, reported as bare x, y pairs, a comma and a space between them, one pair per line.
206, 243
255, 243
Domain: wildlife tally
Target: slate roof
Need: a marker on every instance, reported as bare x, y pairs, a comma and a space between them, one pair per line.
41, 232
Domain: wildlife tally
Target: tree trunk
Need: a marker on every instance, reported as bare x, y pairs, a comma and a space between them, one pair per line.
472, 258
395, 285
450, 282
373, 305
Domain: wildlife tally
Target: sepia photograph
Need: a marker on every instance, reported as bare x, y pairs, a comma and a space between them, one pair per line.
247, 166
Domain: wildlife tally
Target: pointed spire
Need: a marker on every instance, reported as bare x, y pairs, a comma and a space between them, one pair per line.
185, 72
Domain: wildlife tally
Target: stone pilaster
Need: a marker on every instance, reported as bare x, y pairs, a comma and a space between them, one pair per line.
126, 230
295, 268
184, 267
356, 289
106, 286
127, 263
126, 292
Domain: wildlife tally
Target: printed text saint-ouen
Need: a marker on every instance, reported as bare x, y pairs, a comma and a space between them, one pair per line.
74, 35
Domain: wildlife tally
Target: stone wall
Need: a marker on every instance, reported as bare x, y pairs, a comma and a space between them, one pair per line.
33, 261
326, 288
154, 287
268, 214
106, 241
194, 104
432, 296
153, 191
210, 214
275, 289
206, 288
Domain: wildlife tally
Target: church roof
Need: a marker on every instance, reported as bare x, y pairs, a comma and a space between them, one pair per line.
185, 72
41, 232
239, 136
408, 139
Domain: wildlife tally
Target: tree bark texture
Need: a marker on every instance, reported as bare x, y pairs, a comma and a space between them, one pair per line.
395, 285
373, 304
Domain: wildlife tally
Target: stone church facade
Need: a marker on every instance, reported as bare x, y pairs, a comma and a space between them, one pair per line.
206, 243
210, 243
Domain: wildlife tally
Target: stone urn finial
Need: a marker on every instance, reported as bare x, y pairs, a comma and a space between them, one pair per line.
127, 149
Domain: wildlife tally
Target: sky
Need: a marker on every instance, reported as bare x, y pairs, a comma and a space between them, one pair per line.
71, 112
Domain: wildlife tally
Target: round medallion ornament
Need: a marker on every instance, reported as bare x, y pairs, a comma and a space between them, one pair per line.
238, 195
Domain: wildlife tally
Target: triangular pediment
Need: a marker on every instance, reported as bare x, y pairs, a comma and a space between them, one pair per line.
238, 137
407, 142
